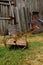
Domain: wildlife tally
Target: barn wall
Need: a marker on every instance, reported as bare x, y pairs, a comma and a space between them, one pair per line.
4, 13
33, 5
22, 9
26, 6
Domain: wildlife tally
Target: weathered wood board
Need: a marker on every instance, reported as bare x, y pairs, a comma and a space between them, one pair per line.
19, 42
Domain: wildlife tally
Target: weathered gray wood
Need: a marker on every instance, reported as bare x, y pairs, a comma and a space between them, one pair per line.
6, 4
4, 18
23, 24
22, 17
18, 19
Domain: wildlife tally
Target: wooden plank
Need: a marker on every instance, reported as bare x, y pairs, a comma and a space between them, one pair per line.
4, 11
23, 25
3, 3
5, 18
4, 0
19, 42
1, 10
18, 19
1, 27
11, 9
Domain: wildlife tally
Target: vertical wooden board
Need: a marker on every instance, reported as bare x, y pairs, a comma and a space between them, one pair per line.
12, 14
27, 21
4, 10
3, 21
7, 15
24, 5
42, 8
0, 26
1, 29
23, 19
38, 5
12, 8
0, 20
1, 10
18, 19
18, 4
9, 11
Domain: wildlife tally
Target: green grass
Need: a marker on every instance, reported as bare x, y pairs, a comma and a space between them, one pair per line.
17, 56
12, 57
35, 44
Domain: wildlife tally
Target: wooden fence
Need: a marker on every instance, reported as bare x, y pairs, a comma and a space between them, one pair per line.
21, 14
5, 14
